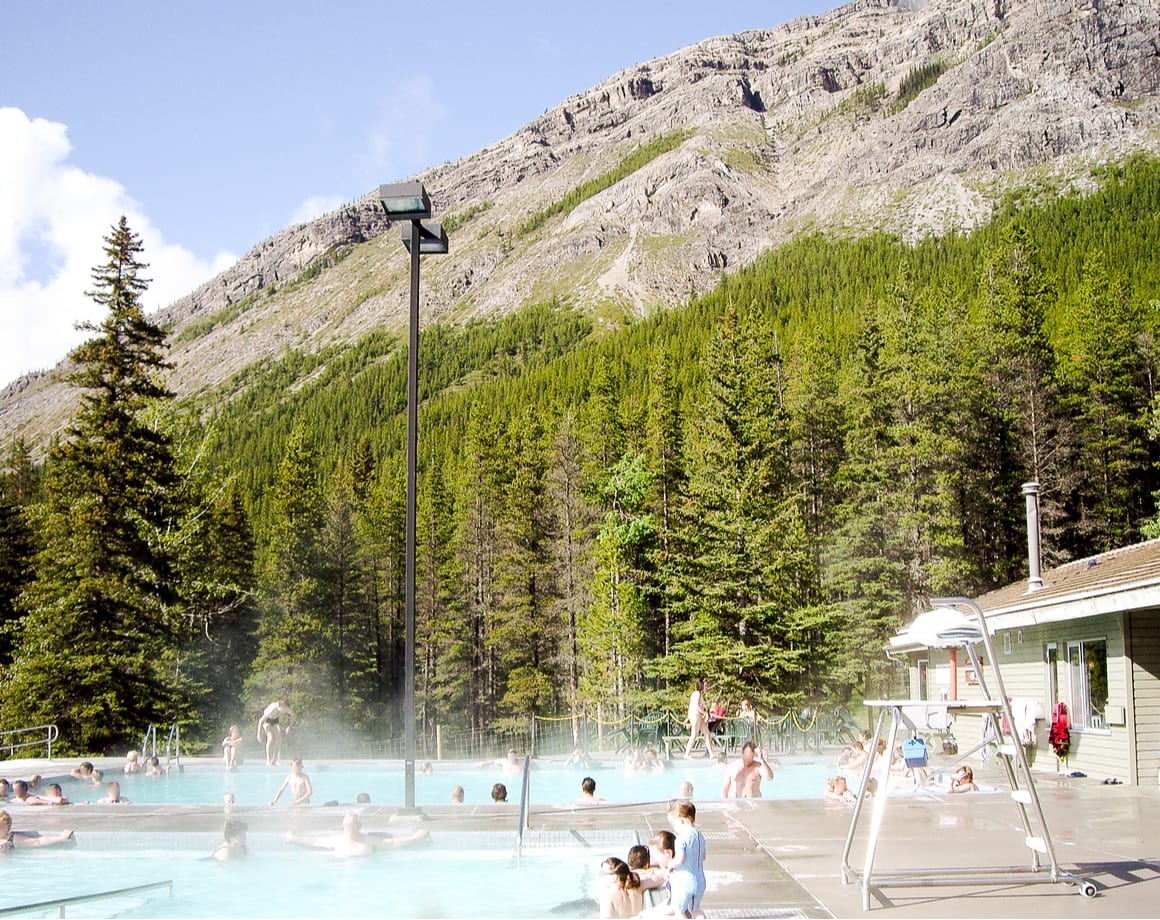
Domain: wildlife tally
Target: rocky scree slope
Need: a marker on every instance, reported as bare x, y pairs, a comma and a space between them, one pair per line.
896, 115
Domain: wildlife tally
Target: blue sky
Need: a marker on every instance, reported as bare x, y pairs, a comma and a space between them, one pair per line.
213, 125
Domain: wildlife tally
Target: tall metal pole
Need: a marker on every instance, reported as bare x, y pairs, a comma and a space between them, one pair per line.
412, 450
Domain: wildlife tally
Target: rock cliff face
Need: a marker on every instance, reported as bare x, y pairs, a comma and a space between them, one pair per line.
901, 115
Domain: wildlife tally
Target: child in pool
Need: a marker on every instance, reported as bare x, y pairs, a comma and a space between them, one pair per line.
640, 862
298, 783
622, 896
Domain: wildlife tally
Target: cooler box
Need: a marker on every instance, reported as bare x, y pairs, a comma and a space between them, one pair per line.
914, 752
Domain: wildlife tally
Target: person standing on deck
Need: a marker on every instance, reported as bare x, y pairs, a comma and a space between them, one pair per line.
273, 726
698, 720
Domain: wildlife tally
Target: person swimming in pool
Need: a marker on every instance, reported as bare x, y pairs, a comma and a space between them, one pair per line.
353, 842
53, 795
113, 795
11, 840
233, 846
273, 726
298, 783
512, 764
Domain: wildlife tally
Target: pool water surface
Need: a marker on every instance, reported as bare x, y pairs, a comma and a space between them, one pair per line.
254, 783
448, 878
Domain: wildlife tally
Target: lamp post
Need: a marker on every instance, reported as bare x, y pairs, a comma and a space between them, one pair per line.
408, 201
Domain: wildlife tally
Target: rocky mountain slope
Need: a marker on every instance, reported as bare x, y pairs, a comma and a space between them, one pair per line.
902, 115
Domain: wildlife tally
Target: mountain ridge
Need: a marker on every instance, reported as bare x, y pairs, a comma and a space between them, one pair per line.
800, 127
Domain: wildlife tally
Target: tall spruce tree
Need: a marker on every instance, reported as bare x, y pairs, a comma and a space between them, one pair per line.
1021, 431
742, 577
1108, 387
296, 638
99, 627
570, 545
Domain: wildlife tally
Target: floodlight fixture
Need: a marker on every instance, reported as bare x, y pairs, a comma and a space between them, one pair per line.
405, 201
432, 237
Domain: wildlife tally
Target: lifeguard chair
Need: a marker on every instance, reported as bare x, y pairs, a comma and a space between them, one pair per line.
919, 715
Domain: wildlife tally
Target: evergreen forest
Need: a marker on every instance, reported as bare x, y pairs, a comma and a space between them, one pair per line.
759, 486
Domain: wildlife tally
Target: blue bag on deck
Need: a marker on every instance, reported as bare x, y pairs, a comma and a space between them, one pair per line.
914, 752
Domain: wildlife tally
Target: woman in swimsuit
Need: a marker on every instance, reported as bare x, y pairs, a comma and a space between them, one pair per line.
10, 840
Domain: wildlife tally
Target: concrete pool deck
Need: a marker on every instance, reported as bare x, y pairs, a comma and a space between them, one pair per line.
781, 858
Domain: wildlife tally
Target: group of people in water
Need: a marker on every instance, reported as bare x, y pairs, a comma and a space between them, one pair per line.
673, 865
891, 767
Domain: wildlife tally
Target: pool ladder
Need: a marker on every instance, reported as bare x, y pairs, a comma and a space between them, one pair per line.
172, 745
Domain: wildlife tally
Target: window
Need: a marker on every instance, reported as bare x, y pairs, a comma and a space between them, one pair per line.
1087, 679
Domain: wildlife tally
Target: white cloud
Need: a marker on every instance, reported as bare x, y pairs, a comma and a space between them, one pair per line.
53, 220
316, 207
399, 142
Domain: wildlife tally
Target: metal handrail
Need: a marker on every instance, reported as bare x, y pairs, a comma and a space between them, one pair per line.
50, 735
62, 903
150, 734
525, 802
173, 743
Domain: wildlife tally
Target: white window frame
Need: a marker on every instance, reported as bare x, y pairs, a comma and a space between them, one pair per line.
1078, 697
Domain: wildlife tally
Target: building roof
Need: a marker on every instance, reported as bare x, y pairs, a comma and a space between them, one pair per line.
1113, 582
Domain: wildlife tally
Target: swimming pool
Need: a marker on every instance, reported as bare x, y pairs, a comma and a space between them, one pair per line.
463, 874
254, 784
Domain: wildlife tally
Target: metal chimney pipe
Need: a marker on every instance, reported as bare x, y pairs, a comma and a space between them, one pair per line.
1031, 491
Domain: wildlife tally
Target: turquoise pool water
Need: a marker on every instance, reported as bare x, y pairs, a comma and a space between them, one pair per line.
470, 875
253, 784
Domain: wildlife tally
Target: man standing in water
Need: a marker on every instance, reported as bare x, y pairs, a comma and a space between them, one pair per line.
273, 726
745, 778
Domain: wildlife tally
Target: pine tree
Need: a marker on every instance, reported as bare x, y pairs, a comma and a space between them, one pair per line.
664, 441
900, 536
1107, 384
100, 624
742, 576
1021, 433
570, 545
295, 655
523, 632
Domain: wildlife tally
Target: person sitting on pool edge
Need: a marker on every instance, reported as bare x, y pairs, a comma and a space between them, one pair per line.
11, 840
353, 842
232, 747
